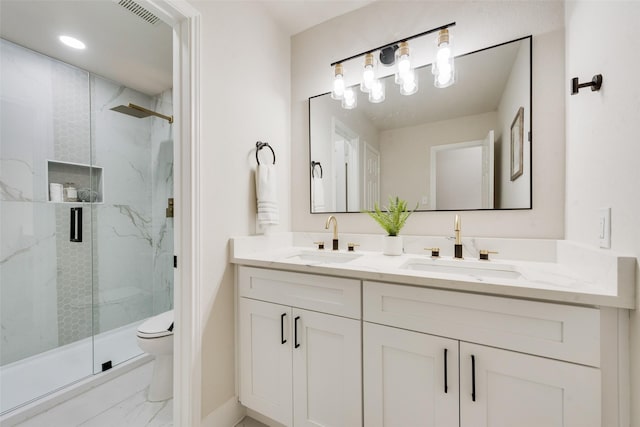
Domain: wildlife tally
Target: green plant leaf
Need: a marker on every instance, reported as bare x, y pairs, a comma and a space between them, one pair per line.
394, 216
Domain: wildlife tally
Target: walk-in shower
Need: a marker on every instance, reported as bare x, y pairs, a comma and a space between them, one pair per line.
86, 247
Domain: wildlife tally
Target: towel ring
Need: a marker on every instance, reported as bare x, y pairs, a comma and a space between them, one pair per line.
313, 168
260, 145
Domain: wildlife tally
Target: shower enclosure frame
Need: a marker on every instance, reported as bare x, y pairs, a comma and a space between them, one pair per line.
56, 312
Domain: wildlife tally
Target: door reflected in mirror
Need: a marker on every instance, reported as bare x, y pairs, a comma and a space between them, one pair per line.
441, 148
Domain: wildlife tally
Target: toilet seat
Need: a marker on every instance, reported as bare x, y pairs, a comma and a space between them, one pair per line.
157, 326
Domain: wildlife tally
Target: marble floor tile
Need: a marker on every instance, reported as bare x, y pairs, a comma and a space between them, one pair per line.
134, 411
119, 403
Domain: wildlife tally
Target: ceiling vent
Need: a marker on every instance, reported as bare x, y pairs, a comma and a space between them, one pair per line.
139, 11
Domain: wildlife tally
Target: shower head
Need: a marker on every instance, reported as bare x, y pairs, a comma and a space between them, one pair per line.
140, 112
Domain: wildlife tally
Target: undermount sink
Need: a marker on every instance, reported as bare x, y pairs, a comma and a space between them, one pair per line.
478, 269
320, 257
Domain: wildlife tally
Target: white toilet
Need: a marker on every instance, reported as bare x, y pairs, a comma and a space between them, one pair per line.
155, 336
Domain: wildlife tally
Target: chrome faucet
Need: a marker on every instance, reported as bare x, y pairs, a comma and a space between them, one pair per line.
458, 245
335, 230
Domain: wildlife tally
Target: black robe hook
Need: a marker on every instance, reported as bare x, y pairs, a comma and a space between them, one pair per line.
595, 83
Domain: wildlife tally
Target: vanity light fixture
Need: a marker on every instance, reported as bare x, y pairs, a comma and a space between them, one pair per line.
368, 75
349, 99
338, 83
405, 76
376, 94
443, 68
409, 83
388, 54
404, 60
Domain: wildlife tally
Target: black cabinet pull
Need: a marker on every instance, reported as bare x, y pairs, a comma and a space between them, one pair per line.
75, 229
445, 371
295, 332
282, 340
473, 378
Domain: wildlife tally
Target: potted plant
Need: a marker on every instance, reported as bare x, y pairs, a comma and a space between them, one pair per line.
392, 219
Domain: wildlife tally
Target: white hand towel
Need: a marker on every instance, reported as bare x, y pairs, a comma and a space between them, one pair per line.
267, 194
317, 194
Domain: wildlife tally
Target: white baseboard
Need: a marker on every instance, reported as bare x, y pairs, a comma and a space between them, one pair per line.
227, 415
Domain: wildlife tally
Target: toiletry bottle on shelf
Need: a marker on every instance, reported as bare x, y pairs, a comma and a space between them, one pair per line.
55, 192
70, 192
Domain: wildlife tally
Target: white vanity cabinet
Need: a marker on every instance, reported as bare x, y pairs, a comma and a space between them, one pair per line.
500, 388
410, 379
320, 350
300, 347
544, 373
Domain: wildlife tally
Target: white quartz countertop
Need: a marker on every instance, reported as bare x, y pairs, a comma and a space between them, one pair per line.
606, 280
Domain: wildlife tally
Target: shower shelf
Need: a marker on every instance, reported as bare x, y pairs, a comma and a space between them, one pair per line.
81, 175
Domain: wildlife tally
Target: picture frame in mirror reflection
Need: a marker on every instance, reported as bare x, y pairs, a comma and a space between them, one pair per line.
517, 145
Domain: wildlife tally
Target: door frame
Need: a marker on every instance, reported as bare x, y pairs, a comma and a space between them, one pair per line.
187, 387
368, 148
353, 141
488, 189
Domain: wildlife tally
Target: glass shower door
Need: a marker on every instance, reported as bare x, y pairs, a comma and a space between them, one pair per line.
133, 238
45, 232
86, 245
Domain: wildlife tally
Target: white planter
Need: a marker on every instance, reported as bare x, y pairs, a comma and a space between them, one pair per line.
392, 245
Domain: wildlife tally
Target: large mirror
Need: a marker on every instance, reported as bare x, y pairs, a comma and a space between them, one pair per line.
464, 147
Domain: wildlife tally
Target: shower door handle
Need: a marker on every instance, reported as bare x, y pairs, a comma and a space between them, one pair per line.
75, 234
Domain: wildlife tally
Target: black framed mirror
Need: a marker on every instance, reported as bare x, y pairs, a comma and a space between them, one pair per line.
453, 148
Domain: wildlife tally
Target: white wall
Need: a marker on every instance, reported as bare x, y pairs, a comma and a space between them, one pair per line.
244, 97
407, 150
479, 24
603, 136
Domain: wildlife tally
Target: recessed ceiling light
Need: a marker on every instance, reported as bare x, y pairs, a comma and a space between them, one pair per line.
72, 42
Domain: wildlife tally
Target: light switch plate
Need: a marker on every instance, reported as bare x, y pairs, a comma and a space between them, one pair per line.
604, 228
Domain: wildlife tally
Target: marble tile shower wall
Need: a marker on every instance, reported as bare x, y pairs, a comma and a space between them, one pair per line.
136, 280
71, 143
74, 265
123, 247
51, 111
28, 268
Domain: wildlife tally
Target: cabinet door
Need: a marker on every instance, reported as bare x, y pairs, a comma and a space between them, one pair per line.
327, 388
405, 380
513, 389
265, 359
